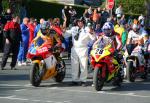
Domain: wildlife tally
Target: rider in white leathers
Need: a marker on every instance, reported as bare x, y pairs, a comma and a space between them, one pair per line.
137, 36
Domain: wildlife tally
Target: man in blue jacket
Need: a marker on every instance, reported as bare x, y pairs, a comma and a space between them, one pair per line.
25, 42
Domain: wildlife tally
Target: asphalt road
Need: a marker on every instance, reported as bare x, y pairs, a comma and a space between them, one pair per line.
15, 88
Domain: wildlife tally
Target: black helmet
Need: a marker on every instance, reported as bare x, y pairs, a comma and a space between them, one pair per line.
44, 26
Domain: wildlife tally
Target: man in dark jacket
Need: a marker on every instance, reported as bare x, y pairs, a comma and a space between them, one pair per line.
12, 33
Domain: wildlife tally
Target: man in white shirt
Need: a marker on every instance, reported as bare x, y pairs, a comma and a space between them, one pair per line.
119, 11
79, 52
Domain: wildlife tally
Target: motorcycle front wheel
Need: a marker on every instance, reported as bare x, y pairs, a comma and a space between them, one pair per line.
130, 73
36, 74
98, 80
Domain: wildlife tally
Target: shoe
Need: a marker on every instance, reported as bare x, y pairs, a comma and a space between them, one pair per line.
13, 68
83, 84
74, 83
24, 63
2, 68
19, 63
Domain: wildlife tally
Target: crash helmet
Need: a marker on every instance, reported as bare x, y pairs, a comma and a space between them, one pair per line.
44, 27
107, 28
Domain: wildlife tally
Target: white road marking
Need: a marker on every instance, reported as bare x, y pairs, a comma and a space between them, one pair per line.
13, 85
9, 96
22, 99
49, 101
13, 97
10, 85
36, 100
80, 91
102, 92
20, 90
28, 85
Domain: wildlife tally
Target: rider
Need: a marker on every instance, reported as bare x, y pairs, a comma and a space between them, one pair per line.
138, 37
110, 37
48, 35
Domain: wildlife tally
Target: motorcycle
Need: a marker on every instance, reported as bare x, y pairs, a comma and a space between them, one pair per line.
46, 64
106, 68
133, 66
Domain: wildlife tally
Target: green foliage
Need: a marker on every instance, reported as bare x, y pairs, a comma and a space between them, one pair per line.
132, 6
5, 4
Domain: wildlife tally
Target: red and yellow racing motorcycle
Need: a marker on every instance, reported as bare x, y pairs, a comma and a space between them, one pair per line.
46, 64
106, 68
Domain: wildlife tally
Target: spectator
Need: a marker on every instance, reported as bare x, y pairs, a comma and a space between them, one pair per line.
8, 15
12, 33
25, 42
141, 19
37, 28
65, 14
73, 14
50, 20
23, 12
96, 18
105, 16
31, 27
99, 13
119, 11
88, 14
35, 22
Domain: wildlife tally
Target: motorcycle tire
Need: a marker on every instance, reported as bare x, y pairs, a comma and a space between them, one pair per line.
35, 75
130, 73
98, 81
145, 74
61, 75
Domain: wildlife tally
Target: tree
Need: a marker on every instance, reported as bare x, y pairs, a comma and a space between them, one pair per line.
132, 6
147, 5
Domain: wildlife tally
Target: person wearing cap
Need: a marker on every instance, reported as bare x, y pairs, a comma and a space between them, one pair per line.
25, 42
79, 51
12, 34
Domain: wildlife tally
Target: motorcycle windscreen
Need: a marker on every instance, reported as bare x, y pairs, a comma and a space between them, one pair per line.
32, 49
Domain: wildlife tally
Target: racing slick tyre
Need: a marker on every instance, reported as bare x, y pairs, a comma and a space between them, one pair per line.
98, 81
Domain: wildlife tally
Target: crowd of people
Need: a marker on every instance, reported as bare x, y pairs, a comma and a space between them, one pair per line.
77, 35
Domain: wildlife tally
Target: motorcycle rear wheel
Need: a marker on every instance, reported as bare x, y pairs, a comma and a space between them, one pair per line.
130, 73
98, 81
61, 75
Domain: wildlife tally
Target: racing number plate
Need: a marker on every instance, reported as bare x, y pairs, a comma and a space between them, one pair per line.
99, 51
